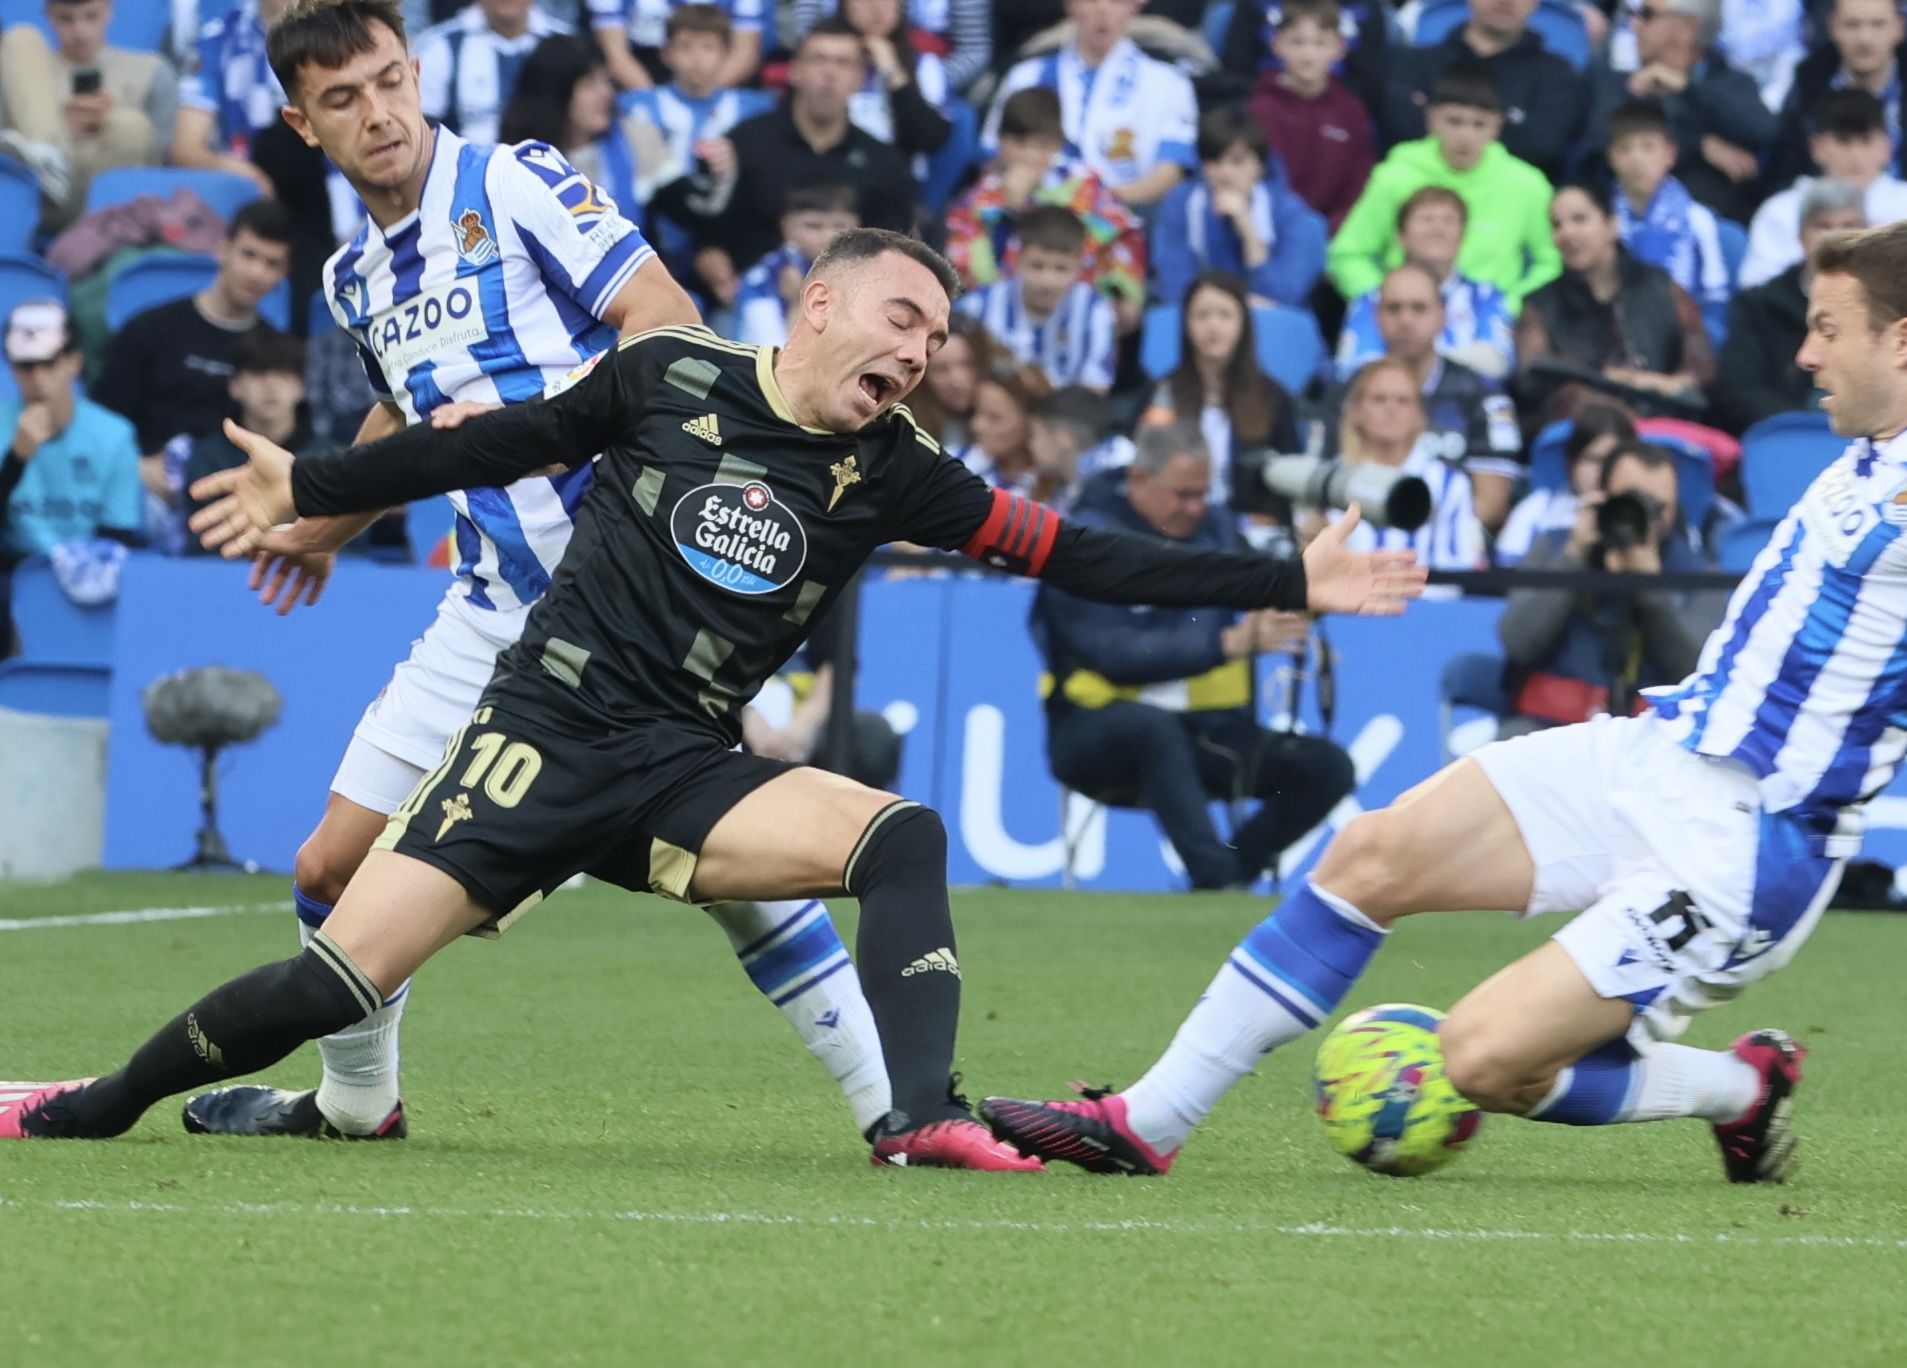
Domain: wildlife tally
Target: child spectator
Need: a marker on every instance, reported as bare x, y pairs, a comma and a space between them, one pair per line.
1045, 315
1131, 117
1031, 167
1320, 129
1659, 221
1237, 218
70, 469
1864, 51
1850, 145
816, 215
1218, 383
632, 34
694, 108
468, 65
231, 94
1506, 239
1479, 329
268, 390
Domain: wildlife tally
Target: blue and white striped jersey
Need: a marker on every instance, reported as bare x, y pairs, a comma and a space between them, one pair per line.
647, 21
1453, 538
1073, 344
684, 120
761, 315
493, 288
1805, 681
1122, 118
231, 80
467, 70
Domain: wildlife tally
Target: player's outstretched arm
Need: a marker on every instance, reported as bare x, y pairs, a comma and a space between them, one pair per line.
1027, 538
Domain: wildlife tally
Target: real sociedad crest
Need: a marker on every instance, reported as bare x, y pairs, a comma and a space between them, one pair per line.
474, 243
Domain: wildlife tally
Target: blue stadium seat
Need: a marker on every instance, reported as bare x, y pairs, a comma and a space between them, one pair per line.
1290, 347
1547, 470
22, 278
224, 192
138, 25
1742, 541
946, 167
426, 523
66, 652
163, 278
1217, 20
19, 206
1473, 682
1555, 23
318, 319
1734, 240
1780, 456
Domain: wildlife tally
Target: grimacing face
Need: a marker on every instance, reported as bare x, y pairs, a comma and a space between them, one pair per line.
366, 115
879, 322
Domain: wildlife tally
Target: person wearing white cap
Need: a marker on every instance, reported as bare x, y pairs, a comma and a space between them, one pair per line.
71, 469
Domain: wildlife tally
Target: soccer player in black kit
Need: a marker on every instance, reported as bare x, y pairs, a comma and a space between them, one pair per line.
740, 490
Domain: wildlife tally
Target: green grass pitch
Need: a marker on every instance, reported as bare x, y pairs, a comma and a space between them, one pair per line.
620, 1155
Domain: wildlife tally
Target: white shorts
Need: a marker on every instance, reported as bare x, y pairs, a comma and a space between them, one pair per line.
1688, 890
432, 692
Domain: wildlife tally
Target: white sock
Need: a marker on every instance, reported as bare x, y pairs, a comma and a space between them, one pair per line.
1252, 1008
1680, 1080
359, 1089
792, 953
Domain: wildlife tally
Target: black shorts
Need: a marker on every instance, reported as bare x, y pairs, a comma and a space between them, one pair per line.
524, 799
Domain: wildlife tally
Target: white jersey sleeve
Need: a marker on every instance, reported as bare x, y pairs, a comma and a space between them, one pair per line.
588, 248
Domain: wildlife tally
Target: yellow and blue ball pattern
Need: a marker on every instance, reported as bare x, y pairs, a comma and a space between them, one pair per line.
1383, 1096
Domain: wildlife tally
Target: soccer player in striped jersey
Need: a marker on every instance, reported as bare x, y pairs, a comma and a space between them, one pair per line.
1699, 841
484, 274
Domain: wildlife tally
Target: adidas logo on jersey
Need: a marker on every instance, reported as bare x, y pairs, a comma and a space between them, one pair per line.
934, 961
705, 428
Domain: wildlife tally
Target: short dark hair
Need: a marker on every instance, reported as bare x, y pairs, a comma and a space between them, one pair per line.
1646, 454
1324, 13
1427, 195
1632, 117
265, 218
1848, 114
1469, 84
866, 244
1084, 414
1053, 228
822, 197
699, 18
834, 26
1595, 421
1221, 129
266, 351
326, 33
1877, 258
1032, 113
1594, 191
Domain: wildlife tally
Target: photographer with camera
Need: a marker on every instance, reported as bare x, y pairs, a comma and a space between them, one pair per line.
1154, 707
1573, 655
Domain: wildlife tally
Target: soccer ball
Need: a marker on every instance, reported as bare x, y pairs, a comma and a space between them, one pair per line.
1383, 1096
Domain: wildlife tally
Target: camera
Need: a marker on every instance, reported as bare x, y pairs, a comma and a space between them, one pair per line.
1626, 520
1386, 497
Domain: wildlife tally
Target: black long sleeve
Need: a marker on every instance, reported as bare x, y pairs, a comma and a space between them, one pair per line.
493, 449
1119, 567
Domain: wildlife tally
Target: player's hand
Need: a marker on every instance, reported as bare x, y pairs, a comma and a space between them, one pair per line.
1373, 583
457, 414
253, 497
283, 579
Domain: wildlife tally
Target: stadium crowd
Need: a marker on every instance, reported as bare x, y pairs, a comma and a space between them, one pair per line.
1539, 253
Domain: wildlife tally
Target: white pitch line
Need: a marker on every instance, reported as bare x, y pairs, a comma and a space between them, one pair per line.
138, 916
1314, 1230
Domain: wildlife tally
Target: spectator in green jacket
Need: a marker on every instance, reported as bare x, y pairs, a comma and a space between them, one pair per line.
1506, 240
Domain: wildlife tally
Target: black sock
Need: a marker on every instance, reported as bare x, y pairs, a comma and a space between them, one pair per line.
238, 1028
905, 952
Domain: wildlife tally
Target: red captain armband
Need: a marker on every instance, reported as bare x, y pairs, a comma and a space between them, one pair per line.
1017, 536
